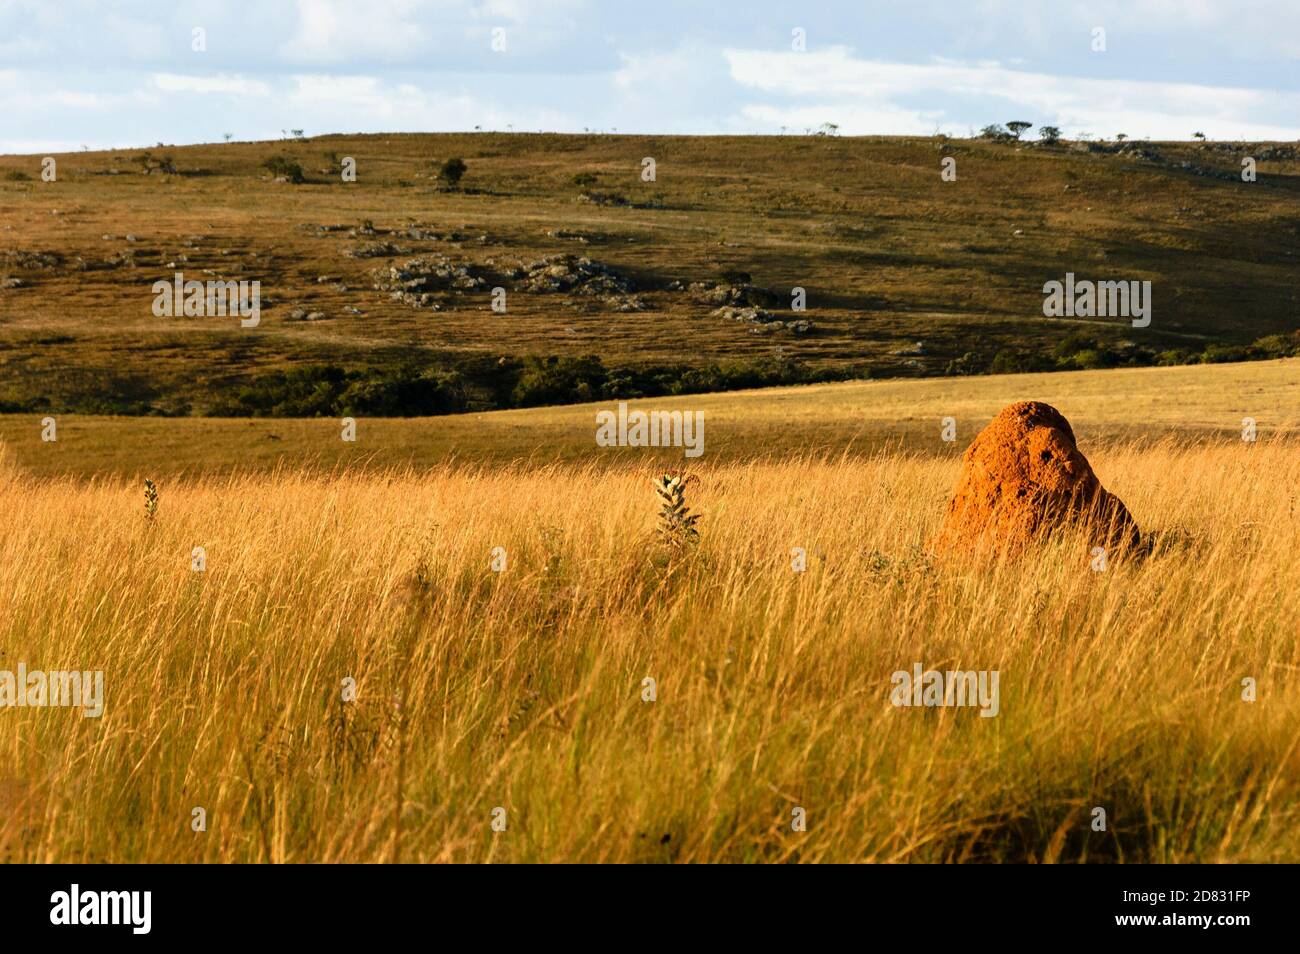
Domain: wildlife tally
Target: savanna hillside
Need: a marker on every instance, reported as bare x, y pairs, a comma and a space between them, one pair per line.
689, 286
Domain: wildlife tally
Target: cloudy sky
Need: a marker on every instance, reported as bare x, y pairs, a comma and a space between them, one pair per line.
77, 73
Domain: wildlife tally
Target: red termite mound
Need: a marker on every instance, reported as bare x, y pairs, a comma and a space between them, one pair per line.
1023, 478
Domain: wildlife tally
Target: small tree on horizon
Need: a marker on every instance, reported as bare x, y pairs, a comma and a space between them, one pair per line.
1049, 134
1018, 126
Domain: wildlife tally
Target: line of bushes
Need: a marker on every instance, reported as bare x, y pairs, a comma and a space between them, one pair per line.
412, 390
1081, 351
449, 384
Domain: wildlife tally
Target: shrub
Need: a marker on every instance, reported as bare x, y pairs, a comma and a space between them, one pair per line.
452, 170
1218, 354
1092, 359
1016, 362
559, 380
284, 167
1277, 346
404, 392
969, 363
149, 164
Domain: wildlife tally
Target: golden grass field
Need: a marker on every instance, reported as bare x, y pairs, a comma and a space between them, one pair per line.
522, 689
1194, 403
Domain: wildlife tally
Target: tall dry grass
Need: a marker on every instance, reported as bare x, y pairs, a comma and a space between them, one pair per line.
523, 689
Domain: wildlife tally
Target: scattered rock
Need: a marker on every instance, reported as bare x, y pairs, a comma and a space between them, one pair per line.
763, 321
741, 294
571, 273
583, 238
604, 198
35, 260
376, 250
302, 314
1022, 479
418, 281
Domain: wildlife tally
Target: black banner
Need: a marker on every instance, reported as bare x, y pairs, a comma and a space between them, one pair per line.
1220, 904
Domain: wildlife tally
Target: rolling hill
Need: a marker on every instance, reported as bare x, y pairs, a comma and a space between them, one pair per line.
377, 294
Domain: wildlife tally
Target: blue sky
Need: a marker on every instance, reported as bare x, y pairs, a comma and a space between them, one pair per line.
76, 73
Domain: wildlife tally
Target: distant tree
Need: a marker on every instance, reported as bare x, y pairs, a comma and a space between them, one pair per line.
996, 132
227, 136
452, 170
297, 133
1049, 134
1120, 137
1018, 126
828, 129
1199, 135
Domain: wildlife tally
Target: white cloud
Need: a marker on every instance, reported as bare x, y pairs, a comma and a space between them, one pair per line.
336, 102
335, 31
237, 85
874, 96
